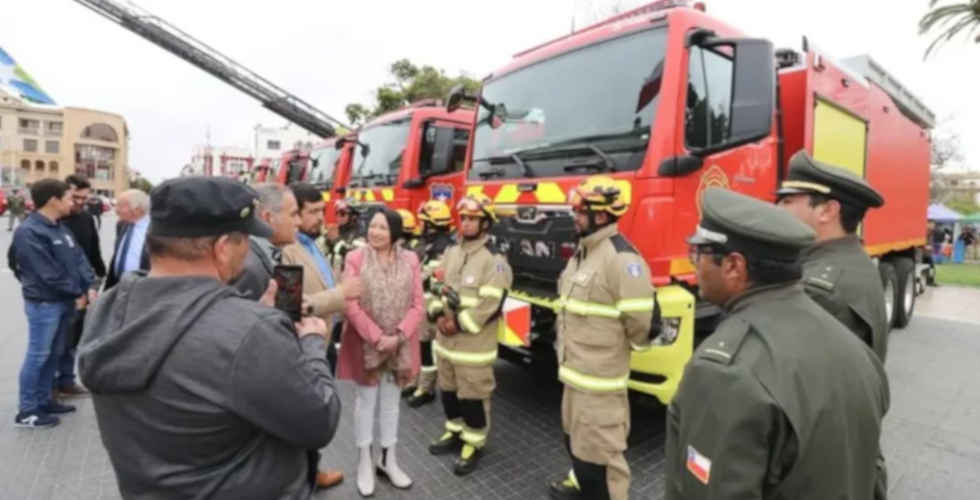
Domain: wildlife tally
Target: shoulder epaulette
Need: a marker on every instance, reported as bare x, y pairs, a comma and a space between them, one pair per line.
622, 245
725, 342
823, 278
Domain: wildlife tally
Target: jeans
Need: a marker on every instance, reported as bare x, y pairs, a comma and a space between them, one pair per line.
65, 369
48, 324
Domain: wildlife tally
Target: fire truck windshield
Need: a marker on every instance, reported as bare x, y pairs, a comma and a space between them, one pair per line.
324, 162
381, 161
593, 105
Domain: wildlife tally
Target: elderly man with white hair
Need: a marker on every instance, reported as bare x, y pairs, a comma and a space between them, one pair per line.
133, 209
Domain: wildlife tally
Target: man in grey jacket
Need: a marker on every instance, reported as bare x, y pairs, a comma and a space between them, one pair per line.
200, 393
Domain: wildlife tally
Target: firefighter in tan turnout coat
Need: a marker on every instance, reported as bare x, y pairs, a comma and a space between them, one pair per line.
436, 221
606, 309
474, 281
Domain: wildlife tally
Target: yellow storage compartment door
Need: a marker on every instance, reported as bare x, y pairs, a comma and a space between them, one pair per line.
839, 137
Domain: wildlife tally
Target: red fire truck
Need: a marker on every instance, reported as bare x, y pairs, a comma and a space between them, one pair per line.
330, 168
408, 156
669, 101
294, 166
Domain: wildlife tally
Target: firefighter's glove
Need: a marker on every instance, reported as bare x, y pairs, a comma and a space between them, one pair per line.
447, 324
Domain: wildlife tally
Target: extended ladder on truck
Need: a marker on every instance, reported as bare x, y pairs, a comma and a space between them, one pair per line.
192, 50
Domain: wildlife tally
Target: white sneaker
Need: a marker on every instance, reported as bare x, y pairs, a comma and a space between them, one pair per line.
388, 467
365, 473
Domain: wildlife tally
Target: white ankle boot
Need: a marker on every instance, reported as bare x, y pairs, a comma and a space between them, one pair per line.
365, 473
388, 467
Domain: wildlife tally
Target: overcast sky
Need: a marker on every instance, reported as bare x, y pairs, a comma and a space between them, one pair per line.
331, 53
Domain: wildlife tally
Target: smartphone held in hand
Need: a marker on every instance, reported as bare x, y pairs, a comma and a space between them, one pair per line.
289, 295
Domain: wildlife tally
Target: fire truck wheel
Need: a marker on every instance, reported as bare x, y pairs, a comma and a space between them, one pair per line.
905, 304
889, 281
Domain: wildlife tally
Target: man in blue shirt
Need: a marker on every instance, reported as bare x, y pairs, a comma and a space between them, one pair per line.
55, 277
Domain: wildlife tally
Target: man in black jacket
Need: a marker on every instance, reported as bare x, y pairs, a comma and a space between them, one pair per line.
199, 392
83, 227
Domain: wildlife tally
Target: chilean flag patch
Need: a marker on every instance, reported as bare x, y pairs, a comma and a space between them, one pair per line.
698, 464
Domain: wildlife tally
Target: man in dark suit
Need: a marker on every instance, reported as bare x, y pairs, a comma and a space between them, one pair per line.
129, 254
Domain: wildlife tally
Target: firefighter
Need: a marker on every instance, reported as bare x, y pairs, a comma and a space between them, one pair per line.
607, 308
474, 279
837, 273
348, 235
410, 231
436, 223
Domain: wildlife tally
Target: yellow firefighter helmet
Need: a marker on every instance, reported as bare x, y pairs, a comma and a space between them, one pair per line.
599, 193
436, 212
477, 205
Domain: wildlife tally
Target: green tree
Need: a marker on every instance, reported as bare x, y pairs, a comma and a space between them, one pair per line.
142, 184
409, 83
950, 20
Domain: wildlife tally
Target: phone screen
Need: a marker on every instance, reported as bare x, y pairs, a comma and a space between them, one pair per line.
289, 295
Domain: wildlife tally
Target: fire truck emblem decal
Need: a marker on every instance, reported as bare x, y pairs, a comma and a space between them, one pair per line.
713, 177
442, 192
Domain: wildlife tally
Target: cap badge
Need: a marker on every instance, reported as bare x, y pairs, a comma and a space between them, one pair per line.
245, 211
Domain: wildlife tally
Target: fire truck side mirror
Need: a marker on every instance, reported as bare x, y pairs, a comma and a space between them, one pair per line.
753, 90
455, 98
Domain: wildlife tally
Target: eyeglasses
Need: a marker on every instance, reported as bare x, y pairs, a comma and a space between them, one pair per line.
694, 252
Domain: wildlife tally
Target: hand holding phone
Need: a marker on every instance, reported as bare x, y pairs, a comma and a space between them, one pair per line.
289, 292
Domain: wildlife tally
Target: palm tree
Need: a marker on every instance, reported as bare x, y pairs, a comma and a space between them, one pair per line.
951, 20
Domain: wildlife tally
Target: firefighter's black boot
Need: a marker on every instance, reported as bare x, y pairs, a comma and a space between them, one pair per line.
565, 489
449, 442
468, 458
420, 399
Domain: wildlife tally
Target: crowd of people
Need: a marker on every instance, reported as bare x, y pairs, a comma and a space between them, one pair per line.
204, 389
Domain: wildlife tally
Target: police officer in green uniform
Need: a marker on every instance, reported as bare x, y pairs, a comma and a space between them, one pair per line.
781, 401
837, 273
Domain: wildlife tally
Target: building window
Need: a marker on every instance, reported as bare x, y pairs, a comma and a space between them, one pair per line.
52, 147
95, 162
30, 145
25, 164
39, 166
54, 128
273, 145
53, 167
100, 132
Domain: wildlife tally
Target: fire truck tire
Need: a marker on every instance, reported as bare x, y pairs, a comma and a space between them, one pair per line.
889, 282
905, 292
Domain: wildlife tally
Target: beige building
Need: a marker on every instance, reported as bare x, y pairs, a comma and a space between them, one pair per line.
38, 142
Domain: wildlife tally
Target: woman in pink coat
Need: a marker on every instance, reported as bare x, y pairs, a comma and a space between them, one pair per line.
380, 345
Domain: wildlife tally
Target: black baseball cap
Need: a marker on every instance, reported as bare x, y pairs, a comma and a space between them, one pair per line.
191, 207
